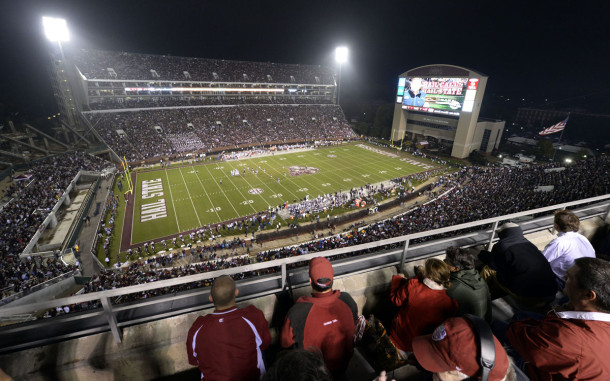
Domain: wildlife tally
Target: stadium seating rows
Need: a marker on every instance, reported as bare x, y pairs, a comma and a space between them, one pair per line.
94, 64
475, 193
215, 128
114, 103
30, 201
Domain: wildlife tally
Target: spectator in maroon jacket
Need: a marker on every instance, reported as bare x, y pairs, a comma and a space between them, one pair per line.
326, 320
571, 342
228, 343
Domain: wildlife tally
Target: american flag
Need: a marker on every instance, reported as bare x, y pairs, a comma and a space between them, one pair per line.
555, 127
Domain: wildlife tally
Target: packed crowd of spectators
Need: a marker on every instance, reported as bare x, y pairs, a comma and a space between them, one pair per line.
94, 64
470, 194
135, 136
21, 275
30, 198
106, 233
150, 101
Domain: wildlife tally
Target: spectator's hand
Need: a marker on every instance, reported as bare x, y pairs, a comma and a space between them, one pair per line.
382, 377
6, 377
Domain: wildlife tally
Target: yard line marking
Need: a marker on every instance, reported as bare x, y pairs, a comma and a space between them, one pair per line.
223, 192
264, 184
320, 173
190, 198
280, 174
287, 178
208, 196
368, 165
173, 204
250, 186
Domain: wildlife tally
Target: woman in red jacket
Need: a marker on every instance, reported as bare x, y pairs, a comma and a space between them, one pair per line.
423, 303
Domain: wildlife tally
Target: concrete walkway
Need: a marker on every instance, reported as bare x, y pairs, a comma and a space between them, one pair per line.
89, 230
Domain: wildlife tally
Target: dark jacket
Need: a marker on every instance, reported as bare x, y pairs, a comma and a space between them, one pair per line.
470, 290
520, 266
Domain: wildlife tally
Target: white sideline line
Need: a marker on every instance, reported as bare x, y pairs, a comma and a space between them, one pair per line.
133, 213
173, 204
190, 198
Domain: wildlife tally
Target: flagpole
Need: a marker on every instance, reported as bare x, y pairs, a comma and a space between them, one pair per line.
560, 136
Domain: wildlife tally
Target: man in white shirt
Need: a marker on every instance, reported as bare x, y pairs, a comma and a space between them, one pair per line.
567, 247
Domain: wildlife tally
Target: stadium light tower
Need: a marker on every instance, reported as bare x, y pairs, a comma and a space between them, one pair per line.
341, 58
56, 31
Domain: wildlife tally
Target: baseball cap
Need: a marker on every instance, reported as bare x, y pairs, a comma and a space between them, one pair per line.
321, 271
453, 346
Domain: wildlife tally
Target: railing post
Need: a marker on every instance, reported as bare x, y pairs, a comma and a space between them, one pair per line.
283, 275
116, 332
403, 257
491, 237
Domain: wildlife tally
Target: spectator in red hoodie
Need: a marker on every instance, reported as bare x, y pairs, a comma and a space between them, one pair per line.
423, 302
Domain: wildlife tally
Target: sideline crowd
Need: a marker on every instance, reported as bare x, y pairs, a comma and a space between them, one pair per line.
474, 193
29, 199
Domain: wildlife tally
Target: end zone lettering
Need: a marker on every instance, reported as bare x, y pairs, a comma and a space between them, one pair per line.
154, 210
152, 188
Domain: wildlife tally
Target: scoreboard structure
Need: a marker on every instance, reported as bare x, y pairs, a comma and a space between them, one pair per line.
442, 102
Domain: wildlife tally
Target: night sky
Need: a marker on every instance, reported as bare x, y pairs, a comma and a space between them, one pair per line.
534, 50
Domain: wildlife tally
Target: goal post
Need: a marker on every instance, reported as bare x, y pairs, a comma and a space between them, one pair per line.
127, 176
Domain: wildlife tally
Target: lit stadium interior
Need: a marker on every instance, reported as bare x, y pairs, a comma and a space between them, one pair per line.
162, 173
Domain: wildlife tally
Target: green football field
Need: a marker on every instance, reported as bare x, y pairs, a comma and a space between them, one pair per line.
182, 198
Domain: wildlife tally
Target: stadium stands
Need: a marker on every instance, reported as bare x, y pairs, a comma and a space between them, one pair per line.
30, 198
99, 64
206, 124
133, 134
117, 80
112, 103
472, 193
185, 105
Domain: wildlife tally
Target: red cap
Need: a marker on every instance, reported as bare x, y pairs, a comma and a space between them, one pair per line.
453, 346
320, 268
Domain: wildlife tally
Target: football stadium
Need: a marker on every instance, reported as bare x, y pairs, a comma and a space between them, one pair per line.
168, 175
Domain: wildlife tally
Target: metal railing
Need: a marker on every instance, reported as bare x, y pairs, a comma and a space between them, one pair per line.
587, 208
36, 287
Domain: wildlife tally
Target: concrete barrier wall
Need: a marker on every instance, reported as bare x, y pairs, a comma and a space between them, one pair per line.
158, 349
46, 293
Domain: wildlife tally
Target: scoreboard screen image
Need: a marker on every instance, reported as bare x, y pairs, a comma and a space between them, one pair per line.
446, 96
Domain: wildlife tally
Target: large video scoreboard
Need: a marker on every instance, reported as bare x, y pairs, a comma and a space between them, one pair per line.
438, 95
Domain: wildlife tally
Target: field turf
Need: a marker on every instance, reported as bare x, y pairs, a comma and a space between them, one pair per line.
196, 195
